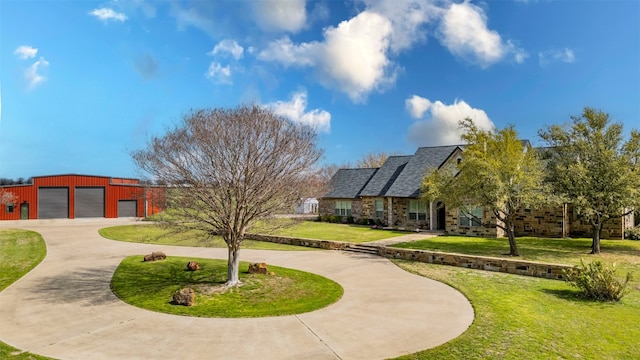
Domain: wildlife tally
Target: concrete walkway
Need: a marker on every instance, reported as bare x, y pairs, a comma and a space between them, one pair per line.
65, 309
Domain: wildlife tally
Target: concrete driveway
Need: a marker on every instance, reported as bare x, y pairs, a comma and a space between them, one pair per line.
65, 309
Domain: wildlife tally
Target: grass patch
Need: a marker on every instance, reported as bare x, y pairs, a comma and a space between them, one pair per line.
153, 234
521, 317
150, 285
20, 251
549, 250
339, 232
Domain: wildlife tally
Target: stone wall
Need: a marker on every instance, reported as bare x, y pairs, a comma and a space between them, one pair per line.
453, 226
527, 268
327, 206
511, 266
612, 229
540, 222
401, 215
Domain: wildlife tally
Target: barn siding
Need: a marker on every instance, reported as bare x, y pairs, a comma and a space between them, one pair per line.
115, 189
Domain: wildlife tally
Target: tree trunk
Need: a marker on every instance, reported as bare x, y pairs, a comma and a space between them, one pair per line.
233, 265
595, 243
513, 247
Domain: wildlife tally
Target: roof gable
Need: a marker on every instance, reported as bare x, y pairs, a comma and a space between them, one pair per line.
385, 176
409, 181
347, 183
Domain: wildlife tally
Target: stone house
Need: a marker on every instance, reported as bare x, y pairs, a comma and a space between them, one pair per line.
391, 195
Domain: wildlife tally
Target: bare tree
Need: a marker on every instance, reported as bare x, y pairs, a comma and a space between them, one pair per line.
228, 169
373, 159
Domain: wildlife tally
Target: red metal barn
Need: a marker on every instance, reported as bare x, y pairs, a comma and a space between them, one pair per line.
80, 196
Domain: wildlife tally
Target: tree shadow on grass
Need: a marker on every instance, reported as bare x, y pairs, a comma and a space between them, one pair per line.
84, 285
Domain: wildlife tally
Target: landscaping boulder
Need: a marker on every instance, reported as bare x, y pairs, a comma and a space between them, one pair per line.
193, 266
258, 268
184, 297
154, 256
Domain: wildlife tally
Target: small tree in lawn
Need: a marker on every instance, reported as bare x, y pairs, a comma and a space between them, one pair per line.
7, 197
229, 168
497, 172
591, 165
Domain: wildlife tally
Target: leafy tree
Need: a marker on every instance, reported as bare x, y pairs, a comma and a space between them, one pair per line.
591, 165
229, 168
497, 172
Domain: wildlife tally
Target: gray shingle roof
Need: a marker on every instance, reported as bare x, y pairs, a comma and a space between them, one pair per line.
347, 183
409, 181
385, 176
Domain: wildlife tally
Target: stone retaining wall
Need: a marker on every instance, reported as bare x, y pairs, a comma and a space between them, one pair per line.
511, 266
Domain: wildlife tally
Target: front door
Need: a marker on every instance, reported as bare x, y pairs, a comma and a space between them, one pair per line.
24, 211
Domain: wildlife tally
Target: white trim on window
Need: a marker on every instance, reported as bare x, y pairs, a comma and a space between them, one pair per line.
417, 210
378, 208
343, 208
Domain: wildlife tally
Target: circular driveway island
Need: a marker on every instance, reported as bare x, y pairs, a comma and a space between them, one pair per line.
64, 308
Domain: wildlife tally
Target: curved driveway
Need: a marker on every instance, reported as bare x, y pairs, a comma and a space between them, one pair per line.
65, 309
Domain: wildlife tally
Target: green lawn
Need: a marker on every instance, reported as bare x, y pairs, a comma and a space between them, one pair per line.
20, 251
339, 232
150, 285
153, 234
521, 317
550, 250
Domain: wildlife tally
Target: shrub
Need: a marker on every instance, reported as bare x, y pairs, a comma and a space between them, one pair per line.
379, 222
632, 233
350, 219
326, 218
597, 281
364, 221
336, 219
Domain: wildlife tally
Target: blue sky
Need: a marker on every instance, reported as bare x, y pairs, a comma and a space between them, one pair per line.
83, 83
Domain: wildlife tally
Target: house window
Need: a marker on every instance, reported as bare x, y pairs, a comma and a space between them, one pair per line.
470, 220
10, 208
343, 208
417, 210
379, 208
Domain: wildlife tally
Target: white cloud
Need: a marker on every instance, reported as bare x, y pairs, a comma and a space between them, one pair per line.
227, 46
408, 19
219, 74
25, 52
106, 14
557, 55
463, 30
352, 58
441, 127
33, 75
417, 106
285, 52
279, 15
295, 110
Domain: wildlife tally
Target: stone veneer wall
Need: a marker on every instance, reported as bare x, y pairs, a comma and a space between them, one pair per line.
368, 210
612, 229
328, 206
527, 268
540, 222
401, 215
453, 225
